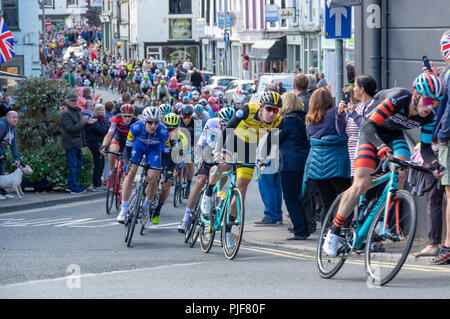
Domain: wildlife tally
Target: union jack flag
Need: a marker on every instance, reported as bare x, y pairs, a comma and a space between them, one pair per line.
6, 42
445, 45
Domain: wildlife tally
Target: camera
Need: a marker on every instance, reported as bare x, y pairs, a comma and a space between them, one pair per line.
346, 96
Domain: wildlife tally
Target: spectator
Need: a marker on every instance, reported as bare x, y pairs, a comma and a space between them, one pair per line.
8, 137
109, 108
363, 91
443, 135
322, 81
328, 163
95, 135
301, 83
280, 88
294, 149
126, 99
196, 79
4, 106
245, 71
81, 100
270, 190
73, 140
312, 83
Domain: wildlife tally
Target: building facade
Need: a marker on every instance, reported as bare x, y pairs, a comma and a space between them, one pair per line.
22, 20
65, 12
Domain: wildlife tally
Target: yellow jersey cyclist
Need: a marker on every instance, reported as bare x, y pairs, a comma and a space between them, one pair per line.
389, 113
247, 127
204, 151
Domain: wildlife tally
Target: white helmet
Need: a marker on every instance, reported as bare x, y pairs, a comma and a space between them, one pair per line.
151, 113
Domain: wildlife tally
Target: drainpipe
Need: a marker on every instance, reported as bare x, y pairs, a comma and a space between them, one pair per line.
375, 57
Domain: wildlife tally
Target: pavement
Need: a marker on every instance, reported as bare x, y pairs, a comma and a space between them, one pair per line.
268, 236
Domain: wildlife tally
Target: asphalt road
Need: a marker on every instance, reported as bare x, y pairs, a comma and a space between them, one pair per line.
77, 251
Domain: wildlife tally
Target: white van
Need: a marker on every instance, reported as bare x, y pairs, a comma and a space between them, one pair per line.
286, 78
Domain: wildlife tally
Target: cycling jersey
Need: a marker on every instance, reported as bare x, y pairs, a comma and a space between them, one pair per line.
118, 126
144, 143
249, 129
386, 116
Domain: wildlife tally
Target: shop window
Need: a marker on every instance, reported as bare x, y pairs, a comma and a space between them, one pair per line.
72, 3
180, 6
11, 13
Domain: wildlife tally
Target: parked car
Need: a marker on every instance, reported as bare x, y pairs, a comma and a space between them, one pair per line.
187, 78
286, 78
215, 84
236, 91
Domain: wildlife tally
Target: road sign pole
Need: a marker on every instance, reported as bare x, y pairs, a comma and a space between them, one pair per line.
339, 69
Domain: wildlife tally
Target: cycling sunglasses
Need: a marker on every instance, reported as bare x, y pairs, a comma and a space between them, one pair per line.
187, 117
127, 116
152, 122
271, 109
429, 101
171, 129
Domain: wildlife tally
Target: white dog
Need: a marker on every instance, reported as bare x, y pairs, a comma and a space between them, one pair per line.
14, 179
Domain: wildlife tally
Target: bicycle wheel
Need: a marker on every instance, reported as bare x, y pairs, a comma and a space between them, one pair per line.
135, 209
236, 227
193, 229
388, 247
329, 266
176, 191
118, 191
110, 190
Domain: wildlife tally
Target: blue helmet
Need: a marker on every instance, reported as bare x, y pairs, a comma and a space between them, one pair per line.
198, 109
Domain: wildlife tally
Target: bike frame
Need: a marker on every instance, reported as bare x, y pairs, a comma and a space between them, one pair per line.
386, 198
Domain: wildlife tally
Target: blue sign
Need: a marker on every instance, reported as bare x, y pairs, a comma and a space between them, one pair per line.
225, 21
338, 23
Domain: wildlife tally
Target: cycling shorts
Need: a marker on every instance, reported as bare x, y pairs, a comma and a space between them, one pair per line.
152, 155
119, 139
367, 153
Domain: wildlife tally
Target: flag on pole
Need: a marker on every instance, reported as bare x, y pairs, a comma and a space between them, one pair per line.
6, 42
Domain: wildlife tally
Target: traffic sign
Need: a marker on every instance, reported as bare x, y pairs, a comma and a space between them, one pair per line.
338, 22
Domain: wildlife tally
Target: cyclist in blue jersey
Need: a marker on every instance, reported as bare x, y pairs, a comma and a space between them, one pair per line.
150, 138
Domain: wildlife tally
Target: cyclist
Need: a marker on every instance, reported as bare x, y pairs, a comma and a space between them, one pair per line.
117, 133
205, 146
164, 109
150, 138
201, 115
188, 124
249, 125
162, 91
221, 100
388, 114
178, 144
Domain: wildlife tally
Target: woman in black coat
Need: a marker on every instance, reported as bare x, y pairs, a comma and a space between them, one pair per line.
95, 134
294, 149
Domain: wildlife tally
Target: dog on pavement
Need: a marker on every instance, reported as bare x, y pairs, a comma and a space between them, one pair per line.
14, 179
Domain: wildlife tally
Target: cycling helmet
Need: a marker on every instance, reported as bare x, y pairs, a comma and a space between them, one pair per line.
174, 79
187, 110
225, 114
171, 120
146, 78
184, 88
151, 113
206, 91
178, 106
165, 109
220, 94
162, 82
198, 109
429, 85
271, 98
203, 102
212, 99
185, 99
127, 109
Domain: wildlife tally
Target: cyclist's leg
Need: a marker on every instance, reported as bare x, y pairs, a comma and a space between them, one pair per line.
113, 147
126, 191
401, 151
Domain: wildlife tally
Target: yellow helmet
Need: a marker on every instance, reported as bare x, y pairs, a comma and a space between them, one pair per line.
172, 120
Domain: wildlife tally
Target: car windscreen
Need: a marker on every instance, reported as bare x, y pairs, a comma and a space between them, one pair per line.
224, 82
246, 86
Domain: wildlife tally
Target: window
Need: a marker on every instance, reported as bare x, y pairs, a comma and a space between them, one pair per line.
283, 6
180, 7
49, 3
11, 13
72, 3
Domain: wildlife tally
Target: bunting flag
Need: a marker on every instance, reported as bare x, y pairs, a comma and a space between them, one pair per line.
6, 42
